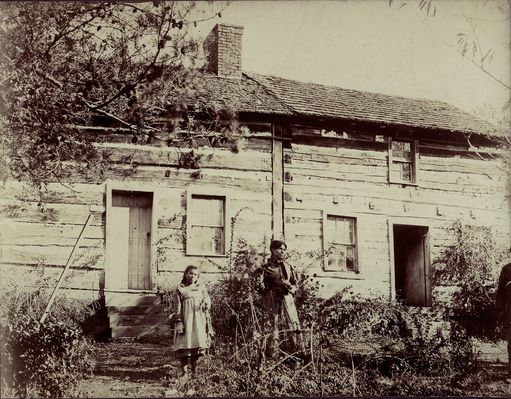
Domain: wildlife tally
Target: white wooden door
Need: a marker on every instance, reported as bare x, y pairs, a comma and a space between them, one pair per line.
117, 272
130, 235
139, 270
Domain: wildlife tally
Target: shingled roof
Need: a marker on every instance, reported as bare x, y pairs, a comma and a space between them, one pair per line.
227, 84
312, 99
243, 95
271, 95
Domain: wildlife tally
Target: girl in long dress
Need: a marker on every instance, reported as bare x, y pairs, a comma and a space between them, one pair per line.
192, 332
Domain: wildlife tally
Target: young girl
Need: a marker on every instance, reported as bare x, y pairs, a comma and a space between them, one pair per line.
193, 332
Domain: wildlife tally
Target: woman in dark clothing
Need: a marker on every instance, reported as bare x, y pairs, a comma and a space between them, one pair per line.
280, 284
503, 302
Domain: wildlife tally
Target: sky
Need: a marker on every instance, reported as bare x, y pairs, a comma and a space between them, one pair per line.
371, 46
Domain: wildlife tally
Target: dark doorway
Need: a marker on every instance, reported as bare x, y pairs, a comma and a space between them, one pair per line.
412, 264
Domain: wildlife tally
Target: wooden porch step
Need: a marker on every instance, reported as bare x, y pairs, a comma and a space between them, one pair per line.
131, 299
136, 314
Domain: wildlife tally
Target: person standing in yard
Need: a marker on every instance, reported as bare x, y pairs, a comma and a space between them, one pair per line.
192, 321
280, 284
503, 302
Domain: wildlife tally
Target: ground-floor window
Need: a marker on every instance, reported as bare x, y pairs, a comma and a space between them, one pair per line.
206, 222
340, 243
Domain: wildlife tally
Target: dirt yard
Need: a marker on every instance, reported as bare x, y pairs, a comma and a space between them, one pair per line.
146, 369
130, 369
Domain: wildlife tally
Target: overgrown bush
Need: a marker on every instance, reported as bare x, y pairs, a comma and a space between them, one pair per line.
28, 293
471, 264
236, 306
404, 339
350, 315
41, 360
308, 302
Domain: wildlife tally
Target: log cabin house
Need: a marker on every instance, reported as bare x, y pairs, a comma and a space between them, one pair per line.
369, 182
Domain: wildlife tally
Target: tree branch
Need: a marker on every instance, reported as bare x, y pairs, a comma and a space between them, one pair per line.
143, 74
467, 137
74, 29
481, 67
507, 86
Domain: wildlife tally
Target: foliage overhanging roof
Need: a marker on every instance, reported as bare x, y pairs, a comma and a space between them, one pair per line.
243, 95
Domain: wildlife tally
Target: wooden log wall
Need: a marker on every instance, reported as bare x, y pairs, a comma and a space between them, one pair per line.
32, 237
353, 181
345, 179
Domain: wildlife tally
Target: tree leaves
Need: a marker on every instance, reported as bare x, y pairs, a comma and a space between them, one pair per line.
69, 64
462, 43
488, 56
428, 7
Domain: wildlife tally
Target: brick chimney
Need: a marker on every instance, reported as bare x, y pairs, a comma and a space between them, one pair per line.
222, 48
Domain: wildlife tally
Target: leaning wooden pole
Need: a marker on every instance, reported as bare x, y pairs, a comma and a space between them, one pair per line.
55, 290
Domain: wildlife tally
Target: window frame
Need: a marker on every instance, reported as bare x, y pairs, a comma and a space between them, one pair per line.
326, 214
213, 193
414, 163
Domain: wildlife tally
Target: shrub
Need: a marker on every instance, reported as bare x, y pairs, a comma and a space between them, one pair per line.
471, 264
28, 293
352, 316
236, 306
415, 352
42, 360
308, 303
409, 339
237, 296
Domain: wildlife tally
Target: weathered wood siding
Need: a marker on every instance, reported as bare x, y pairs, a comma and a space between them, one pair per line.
30, 236
344, 179
354, 182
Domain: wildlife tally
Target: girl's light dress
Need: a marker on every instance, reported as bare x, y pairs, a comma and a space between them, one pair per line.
193, 304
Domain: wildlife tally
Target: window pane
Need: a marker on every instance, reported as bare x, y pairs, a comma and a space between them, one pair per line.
343, 230
401, 171
330, 228
406, 171
340, 243
352, 231
340, 230
402, 150
350, 259
207, 240
336, 258
207, 211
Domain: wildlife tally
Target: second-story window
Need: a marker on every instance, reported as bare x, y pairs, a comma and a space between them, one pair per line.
403, 156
